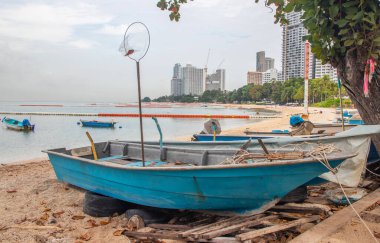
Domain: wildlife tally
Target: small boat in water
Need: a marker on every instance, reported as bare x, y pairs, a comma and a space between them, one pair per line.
95, 123
18, 125
190, 178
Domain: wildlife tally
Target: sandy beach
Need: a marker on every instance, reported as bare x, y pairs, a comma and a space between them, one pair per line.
35, 207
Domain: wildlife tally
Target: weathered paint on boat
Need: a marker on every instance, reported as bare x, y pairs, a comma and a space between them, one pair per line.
249, 188
95, 123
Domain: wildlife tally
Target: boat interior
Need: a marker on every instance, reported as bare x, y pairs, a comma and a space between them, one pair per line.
129, 153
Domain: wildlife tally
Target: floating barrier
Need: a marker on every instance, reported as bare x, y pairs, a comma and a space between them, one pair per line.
46, 113
183, 116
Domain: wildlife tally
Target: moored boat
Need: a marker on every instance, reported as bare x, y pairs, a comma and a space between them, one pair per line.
319, 128
357, 139
18, 125
96, 123
189, 178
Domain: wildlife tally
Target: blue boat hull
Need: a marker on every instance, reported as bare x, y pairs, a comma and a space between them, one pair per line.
209, 138
98, 124
16, 125
242, 189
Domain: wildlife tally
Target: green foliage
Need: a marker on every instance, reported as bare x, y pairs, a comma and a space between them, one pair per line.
146, 99
333, 102
290, 91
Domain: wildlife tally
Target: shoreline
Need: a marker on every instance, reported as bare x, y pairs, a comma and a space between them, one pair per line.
263, 125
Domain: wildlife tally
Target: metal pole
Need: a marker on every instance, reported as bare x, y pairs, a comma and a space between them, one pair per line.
341, 103
306, 88
140, 114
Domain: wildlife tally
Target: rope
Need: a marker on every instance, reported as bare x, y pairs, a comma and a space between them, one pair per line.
334, 171
318, 152
373, 173
356, 212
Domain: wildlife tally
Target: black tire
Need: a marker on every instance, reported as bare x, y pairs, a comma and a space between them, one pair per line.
150, 215
97, 205
297, 195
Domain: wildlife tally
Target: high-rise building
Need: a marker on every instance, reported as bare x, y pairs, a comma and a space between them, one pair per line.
318, 70
177, 81
293, 51
217, 80
176, 87
177, 71
263, 63
255, 78
260, 61
293, 47
193, 82
269, 63
270, 75
280, 77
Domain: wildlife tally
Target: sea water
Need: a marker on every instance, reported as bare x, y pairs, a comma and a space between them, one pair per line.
63, 131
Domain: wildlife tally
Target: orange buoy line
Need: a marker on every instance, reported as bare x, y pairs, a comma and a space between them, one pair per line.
175, 115
184, 116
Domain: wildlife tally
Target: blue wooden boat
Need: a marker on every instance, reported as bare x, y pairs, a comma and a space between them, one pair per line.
319, 128
200, 182
356, 139
210, 137
18, 125
355, 122
95, 123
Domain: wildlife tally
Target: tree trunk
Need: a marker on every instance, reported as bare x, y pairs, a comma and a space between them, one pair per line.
351, 72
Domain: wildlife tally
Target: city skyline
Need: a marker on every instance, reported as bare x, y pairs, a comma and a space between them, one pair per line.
191, 80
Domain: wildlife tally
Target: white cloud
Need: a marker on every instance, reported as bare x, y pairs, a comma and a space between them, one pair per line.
230, 9
117, 30
82, 44
51, 23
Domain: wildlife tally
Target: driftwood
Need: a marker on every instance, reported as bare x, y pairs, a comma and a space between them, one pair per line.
237, 227
302, 208
276, 228
152, 235
340, 218
31, 227
169, 226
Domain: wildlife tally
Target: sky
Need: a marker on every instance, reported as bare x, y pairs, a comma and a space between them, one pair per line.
67, 50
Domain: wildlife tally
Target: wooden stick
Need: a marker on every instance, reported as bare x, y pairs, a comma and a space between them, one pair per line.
227, 223
222, 226
169, 226
150, 235
188, 232
33, 227
299, 209
276, 228
236, 227
263, 146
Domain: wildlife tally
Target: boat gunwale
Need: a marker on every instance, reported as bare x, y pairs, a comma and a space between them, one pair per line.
198, 167
95, 121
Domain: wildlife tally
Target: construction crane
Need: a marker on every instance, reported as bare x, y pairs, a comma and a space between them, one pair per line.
208, 56
220, 64
205, 70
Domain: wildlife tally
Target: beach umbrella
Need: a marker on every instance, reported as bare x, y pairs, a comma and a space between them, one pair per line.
135, 45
